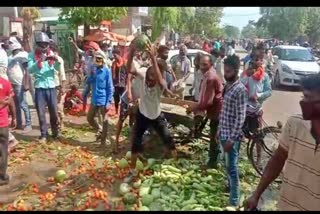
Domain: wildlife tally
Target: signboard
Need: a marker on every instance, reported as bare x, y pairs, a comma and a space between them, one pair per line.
17, 27
142, 11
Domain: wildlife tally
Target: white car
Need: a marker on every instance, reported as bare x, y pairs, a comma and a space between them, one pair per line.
292, 63
173, 54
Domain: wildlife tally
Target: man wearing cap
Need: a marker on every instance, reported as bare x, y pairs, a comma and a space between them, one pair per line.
100, 79
16, 74
41, 64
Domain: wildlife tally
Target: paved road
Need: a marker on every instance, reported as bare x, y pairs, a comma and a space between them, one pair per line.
281, 104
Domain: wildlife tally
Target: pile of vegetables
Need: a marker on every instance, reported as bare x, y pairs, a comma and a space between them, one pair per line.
182, 185
177, 186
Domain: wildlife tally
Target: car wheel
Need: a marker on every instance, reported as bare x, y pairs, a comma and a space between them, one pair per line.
276, 81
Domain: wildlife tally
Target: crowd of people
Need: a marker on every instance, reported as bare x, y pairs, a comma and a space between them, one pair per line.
134, 85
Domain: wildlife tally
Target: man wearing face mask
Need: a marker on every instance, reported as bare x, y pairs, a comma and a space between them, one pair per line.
231, 121
41, 65
298, 150
87, 53
163, 53
102, 91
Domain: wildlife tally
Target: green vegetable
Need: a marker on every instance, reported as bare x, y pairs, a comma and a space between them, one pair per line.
139, 165
144, 190
172, 169
156, 193
124, 188
155, 206
128, 155
146, 200
123, 163
144, 208
166, 189
141, 42
137, 184
211, 208
129, 198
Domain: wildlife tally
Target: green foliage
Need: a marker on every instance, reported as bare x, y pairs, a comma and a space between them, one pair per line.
231, 31
187, 20
207, 20
286, 23
163, 18
91, 15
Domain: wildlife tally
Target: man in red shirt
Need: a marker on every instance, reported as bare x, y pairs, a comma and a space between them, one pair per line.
210, 100
6, 95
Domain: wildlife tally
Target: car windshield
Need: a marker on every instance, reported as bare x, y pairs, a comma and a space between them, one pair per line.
296, 55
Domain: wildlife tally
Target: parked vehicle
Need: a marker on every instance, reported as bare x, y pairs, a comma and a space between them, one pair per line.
292, 63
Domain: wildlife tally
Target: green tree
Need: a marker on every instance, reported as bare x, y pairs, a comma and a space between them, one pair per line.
231, 31
313, 23
206, 20
286, 23
185, 16
90, 16
29, 14
249, 31
163, 18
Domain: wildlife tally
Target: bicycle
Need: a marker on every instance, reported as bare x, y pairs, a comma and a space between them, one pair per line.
260, 138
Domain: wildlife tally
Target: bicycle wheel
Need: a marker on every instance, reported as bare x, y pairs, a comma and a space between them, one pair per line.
269, 135
265, 156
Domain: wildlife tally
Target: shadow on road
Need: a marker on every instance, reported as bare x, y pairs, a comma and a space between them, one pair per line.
287, 89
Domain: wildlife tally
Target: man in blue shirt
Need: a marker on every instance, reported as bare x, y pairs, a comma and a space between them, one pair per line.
100, 79
41, 64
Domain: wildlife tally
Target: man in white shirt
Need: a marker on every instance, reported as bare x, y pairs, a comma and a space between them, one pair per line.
60, 79
151, 86
15, 74
3, 60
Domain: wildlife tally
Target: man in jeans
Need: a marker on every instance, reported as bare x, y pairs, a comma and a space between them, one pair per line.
232, 118
6, 100
60, 79
16, 75
210, 100
41, 65
100, 80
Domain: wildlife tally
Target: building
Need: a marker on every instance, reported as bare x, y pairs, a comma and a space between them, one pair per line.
135, 22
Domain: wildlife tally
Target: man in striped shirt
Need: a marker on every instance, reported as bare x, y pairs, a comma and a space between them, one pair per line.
231, 121
297, 150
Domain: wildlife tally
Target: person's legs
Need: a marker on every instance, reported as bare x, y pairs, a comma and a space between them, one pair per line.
105, 124
123, 115
53, 110
91, 118
85, 94
116, 98
25, 108
16, 98
160, 126
4, 137
214, 148
232, 173
40, 101
60, 105
141, 125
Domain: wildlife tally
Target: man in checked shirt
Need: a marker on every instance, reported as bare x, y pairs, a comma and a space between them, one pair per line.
232, 118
